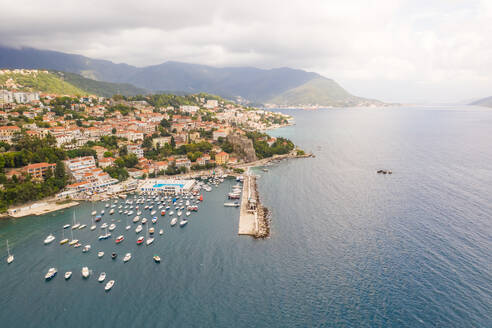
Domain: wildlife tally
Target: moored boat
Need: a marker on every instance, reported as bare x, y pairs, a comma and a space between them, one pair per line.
119, 239
85, 272
109, 285
68, 274
174, 221
50, 274
49, 239
100, 254
128, 257
157, 259
140, 240
102, 277
183, 222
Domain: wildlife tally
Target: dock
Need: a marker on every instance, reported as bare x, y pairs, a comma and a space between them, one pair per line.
40, 208
253, 217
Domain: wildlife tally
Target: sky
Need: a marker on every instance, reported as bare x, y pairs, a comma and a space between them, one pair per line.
434, 51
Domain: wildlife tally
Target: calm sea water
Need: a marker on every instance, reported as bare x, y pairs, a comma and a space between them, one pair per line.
349, 248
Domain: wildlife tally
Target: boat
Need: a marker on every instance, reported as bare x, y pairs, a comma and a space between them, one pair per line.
171, 213
136, 219
109, 285
64, 240
74, 225
149, 240
102, 212
157, 259
73, 241
144, 220
154, 220
100, 254
161, 232
104, 225
151, 230
112, 226
140, 240
114, 255
10, 257
111, 212
152, 213
85, 272
49, 239
179, 213
163, 213
139, 228
174, 221
98, 218
77, 245
120, 239
128, 257
82, 226
105, 236
107, 205
94, 213
86, 248
235, 204
66, 226
50, 274
188, 213
93, 226
183, 222
68, 274
102, 277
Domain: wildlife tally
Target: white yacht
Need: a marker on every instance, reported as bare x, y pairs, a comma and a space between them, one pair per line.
188, 213
100, 254
109, 285
174, 221
68, 274
85, 272
179, 213
144, 220
86, 248
127, 257
104, 225
139, 228
49, 239
183, 222
112, 226
136, 219
102, 277
50, 274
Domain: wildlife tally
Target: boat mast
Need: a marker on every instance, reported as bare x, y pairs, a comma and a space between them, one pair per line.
8, 250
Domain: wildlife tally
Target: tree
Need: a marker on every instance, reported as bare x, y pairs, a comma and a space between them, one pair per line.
173, 143
108, 154
113, 130
165, 123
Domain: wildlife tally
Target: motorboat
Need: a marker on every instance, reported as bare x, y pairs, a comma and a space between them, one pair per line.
104, 225
161, 232
112, 226
140, 240
94, 213
139, 228
188, 213
174, 221
75, 226
128, 227
50, 274
144, 220
179, 213
102, 212
111, 212
163, 213
152, 213
86, 248
154, 220
157, 259
82, 226
102, 277
77, 245
149, 241
98, 218
136, 219
127, 257
68, 275
109, 285
183, 222
85, 272
119, 239
100, 254
66, 226
49, 239
114, 255
171, 213
151, 230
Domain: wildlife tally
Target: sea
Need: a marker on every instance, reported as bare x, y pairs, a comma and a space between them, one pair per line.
348, 247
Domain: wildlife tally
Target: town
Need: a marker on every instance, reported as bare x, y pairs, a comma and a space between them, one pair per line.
77, 146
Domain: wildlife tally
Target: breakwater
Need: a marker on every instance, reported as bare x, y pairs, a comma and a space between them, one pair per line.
253, 219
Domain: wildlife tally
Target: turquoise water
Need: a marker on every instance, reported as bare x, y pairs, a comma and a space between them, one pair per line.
349, 248
159, 185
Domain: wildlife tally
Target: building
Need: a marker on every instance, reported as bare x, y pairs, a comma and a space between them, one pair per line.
160, 141
189, 109
211, 104
135, 149
166, 186
222, 158
39, 170
219, 133
183, 162
7, 133
25, 97
105, 162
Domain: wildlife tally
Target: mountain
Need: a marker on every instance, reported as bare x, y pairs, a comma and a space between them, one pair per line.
66, 84
487, 102
286, 86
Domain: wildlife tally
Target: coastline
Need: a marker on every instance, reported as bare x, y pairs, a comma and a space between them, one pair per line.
39, 208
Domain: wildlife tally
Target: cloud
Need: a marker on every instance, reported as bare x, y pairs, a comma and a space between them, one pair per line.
367, 45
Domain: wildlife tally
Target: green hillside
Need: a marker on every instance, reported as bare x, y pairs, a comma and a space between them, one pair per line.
41, 81
319, 91
104, 89
67, 84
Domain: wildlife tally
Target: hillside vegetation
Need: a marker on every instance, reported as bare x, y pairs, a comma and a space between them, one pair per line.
44, 82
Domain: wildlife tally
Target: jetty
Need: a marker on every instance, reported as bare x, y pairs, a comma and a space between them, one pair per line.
253, 217
40, 208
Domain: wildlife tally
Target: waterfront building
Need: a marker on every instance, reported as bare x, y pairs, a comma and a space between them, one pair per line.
222, 158
166, 186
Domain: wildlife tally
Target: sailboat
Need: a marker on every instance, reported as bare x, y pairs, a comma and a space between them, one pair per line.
73, 241
93, 226
75, 225
10, 257
64, 240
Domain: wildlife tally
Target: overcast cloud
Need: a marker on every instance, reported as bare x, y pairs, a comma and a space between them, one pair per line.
393, 50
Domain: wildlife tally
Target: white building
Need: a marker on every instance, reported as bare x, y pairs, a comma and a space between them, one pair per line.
189, 109
211, 104
166, 186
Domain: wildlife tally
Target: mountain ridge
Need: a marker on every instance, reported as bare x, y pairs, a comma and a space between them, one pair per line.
248, 84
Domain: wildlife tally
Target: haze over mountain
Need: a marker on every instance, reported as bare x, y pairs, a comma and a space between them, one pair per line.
282, 86
486, 102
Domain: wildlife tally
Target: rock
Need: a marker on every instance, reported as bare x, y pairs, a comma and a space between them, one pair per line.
243, 147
